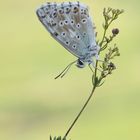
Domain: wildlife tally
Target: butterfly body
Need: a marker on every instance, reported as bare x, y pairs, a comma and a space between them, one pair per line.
70, 24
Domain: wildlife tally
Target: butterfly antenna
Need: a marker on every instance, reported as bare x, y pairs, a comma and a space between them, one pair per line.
63, 73
93, 64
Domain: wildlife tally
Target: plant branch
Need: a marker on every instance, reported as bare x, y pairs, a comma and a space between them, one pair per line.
79, 114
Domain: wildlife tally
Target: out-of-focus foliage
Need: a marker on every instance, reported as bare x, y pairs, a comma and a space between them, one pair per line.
33, 105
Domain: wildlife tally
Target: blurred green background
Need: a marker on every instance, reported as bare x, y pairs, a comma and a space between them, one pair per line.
33, 105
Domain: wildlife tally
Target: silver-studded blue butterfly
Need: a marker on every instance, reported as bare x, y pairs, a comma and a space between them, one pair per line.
70, 24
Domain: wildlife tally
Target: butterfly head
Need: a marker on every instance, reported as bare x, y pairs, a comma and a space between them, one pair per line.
80, 64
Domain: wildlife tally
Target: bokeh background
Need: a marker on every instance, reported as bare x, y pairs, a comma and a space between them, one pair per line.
33, 105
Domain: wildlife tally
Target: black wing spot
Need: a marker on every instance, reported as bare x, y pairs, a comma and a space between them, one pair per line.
78, 37
66, 22
56, 34
78, 25
63, 34
70, 4
84, 20
61, 11
84, 34
74, 46
54, 15
61, 23
72, 22
75, 9
67, 10
49, 4
67, 43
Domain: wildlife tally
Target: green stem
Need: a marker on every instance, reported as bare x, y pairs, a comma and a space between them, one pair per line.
101, 43
105, 30
79, 114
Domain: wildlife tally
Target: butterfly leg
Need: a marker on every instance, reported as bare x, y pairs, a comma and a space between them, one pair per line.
91, 68
98, 59
94, 65
63, 73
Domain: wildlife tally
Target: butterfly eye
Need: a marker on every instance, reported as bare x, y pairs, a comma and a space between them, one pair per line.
61, 23
80, 64
84, 20
74, 46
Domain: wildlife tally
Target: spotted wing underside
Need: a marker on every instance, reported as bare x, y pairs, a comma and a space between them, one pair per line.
70, 24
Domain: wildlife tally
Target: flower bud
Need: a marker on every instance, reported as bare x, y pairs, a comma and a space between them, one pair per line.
115, 31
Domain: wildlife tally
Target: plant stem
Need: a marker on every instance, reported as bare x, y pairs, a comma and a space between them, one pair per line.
101, 43
79, 114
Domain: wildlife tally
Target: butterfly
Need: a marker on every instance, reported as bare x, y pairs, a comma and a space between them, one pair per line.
70, 24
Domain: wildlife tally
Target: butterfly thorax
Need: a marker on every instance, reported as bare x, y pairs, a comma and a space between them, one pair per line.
88, 58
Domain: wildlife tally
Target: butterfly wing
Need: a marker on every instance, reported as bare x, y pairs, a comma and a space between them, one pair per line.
70, 24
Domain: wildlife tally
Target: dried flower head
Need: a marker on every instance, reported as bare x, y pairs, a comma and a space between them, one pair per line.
115, 31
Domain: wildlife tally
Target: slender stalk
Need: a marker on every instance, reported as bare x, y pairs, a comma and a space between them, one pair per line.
101, 43
79, 114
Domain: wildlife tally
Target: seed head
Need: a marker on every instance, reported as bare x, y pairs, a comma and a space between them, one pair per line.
115, 31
